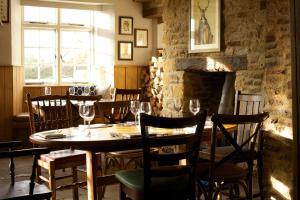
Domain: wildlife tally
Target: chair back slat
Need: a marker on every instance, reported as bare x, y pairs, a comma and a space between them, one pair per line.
188, 149
75, 100
127, 94
49, 112
247, 104
219, 122
113, 111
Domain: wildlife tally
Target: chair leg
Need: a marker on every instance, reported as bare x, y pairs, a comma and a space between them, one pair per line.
259, 176
122, 193
38, 174
75, 180
52, 182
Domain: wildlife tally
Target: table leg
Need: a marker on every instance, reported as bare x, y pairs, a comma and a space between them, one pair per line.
91, 170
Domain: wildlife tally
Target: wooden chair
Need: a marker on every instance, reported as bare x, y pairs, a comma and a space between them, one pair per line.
245, 104
26, 189
74, 106
49, 113
224, 171
127, 94
113, 111
173, 181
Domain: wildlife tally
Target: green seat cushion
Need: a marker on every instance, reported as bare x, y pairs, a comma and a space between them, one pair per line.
134, 179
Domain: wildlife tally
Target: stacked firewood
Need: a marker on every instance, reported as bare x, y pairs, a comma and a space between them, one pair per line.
155, 86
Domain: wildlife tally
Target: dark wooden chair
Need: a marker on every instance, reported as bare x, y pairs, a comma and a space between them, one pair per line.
248, 104
25, 189
223, 172
127, 94
172, 181
52, 112
113, 111
75, 100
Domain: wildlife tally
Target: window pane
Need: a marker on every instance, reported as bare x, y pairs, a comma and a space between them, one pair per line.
47, 38
31, 56
70, 16
47, 56
75, 39
46, 72
67, 73
31, 72
39, 14
31, 38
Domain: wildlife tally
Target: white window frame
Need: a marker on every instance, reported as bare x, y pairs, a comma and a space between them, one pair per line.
58, 27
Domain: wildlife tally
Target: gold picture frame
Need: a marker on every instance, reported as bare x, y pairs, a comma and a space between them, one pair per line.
205, 26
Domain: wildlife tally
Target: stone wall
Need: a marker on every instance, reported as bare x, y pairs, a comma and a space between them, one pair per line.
259, 30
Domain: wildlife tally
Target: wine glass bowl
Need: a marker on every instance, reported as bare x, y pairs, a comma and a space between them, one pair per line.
146, 107
89, 115
194, 106
135, 108
178, 104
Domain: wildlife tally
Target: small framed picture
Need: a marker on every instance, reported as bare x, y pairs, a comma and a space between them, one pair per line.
125, 25
125, 50
4, 11
141, 38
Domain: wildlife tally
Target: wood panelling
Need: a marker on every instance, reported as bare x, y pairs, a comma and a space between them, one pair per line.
11, 83
38, 90
128, 76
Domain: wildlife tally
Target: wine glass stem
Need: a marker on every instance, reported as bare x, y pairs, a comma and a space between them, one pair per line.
135, 119
84, 123
89, 133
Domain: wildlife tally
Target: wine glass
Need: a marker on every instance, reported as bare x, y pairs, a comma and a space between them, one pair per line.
178, 103
194, 106
89, 115
146, 107
86, 91
47, 90
82, 111
134, 108
71, 90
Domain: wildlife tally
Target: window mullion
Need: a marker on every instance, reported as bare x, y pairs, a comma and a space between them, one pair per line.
59, 61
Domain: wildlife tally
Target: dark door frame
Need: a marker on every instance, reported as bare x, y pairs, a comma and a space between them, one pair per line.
295, 41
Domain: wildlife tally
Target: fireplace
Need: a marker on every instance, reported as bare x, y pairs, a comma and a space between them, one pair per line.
211, 80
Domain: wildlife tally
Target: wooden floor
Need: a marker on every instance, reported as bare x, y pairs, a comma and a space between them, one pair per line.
23, 169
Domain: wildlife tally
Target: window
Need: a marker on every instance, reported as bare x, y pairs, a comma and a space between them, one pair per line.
57, 45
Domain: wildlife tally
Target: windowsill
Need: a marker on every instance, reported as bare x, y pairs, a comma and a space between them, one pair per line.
56, 85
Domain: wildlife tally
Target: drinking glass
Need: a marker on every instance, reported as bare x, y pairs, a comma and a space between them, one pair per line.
71, 90
178, 104
146, 107
86, 91
47, 90
135, 108
89, 115
82, 111
194, 106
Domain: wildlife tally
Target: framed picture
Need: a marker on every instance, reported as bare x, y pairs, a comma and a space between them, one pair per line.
141, 38
125, 25
4, 11
125, 50
204, 26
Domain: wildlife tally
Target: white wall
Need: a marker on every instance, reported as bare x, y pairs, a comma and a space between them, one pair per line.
141, 56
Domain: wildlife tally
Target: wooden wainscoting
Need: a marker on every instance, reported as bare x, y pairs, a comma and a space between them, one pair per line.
128, 76
38, 90
11, 87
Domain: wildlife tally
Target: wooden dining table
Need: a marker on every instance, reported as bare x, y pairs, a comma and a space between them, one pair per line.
105, 138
